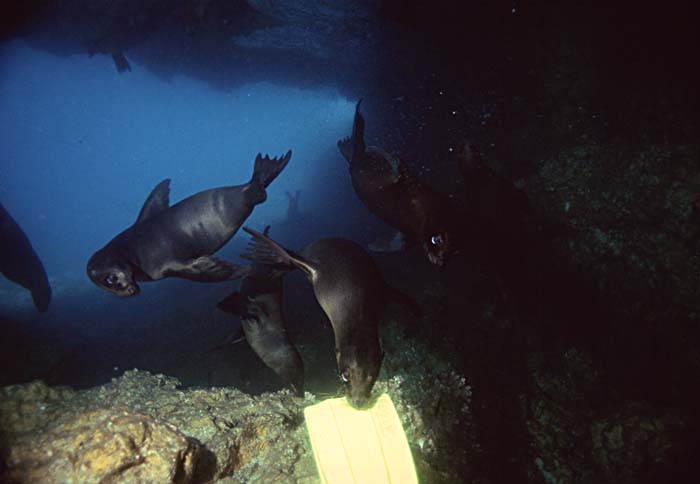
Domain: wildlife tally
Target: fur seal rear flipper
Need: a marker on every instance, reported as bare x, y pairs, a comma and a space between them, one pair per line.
259, 306
388, 189
20, 263
351, 291
179, 241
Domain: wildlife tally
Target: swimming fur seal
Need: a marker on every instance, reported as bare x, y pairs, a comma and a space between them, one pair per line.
351, 291
259, 305
19, 262
178, 241
387, 188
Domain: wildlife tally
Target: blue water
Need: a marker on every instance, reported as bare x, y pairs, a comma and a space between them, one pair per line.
82, 146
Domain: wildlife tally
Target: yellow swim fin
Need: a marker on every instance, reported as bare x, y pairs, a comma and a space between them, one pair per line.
359, 446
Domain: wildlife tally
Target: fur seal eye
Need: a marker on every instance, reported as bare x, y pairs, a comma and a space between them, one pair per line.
436, 240
345, 376
111, 279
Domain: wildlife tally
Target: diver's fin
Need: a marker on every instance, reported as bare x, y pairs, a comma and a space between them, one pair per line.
266, 251
157, 201
266, 169
391, 242
120, 62
232, 339
207, 269
353, 445
398, 297
355, 144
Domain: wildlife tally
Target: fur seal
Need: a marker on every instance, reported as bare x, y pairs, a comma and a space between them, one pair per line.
178, 241
389, 190
294, 215
259, 305
20, 263
351, 291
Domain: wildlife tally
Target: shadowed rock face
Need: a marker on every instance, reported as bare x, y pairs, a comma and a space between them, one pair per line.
225, 43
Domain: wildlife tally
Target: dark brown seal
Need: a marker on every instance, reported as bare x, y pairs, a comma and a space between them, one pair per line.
258, 304
179, 241
389, 190
351, 291
19, 262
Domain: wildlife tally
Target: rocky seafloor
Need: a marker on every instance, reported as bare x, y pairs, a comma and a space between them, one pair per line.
143, 427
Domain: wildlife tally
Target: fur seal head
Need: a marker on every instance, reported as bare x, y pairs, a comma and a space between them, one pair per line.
359, 372
438, 247
112, 274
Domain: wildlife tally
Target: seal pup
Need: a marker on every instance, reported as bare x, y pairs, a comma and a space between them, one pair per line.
389, 190
258, 304
179, 241
20, 263
351, 291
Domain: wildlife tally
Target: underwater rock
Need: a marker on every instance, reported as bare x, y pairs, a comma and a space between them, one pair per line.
100, 445
434, 404
578, 434
179, 435
143, 427
630, 215
628, 219
639, 440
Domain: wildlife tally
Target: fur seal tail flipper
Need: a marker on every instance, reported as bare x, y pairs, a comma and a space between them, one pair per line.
266, 169
157, 201
208, 269
356, 142
266, 251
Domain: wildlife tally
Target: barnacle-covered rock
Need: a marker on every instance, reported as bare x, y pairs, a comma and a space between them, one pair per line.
143, 427
105, 444
434, 404
579, 435
632, 218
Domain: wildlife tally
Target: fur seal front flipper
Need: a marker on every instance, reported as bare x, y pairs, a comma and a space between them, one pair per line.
351, 291
20, 263
158, 201
179, 241
389, 190
231, 339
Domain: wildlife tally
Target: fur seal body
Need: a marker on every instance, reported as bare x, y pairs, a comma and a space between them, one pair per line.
259, 305
19, 262
351, 291
178, 241
388, 189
